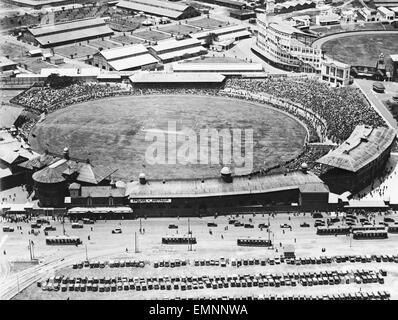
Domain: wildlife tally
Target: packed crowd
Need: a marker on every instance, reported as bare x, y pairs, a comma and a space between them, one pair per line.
342, 108
330, 112
45, 99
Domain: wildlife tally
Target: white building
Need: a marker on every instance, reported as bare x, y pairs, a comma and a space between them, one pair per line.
286, 47
386, 14
336, 73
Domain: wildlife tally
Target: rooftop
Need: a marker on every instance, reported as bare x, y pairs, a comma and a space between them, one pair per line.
4, 62
133, 62
363, 146
163, 77
102, 192
167, 10
215, 186
226, 67
175, 44
66, 27
126, 51
8, 115
74, 35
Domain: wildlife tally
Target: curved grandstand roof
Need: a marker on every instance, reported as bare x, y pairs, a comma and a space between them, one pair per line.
216, 187
364, 145
48, 175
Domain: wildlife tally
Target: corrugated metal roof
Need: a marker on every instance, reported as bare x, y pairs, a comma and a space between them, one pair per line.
48, 175
102, 192
219, 31
216, 187
74, 35
163, 4
67, 27
125, 51
8, 115
89, 174
363, 146
171, 77
217, 67
174, 44
132, 62
181, 53
4, 62
150, 9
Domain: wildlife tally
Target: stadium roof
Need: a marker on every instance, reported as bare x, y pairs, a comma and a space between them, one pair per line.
160, 8
100, 209
216, 187
67, 27
133, 62
181, 53
74, 35
102, 192
89, 174
71, 72
125, 51
8, 115
174, 44
38, 162
5, 62
171, 77
48, 175
220, 31
12, 149
364, 145
285, 28
217, 67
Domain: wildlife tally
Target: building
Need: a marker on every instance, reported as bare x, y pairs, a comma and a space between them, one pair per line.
234, 33
226, 69
328, 19
233, 4
173, 50
395, 10
52, 175
208, 196
6, 64
242, 14
386, 14
394, 59
13, 151
69, 32
301, 22
167, 9
291, 6
336, 73
300, 189
359, 160
286, 47
172, 79
368, 14
131, 57
386, 3
9, 116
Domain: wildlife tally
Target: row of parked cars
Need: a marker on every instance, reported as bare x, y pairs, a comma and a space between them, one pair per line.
223, 262
211, 282
111, 264
170, 263
361, 295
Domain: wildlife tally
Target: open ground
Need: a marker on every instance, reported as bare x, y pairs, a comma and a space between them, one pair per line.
221, 243
111, 132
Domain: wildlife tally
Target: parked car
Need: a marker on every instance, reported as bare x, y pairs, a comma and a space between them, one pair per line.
304, 225
116, 231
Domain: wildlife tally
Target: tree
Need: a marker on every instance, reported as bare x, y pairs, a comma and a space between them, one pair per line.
56, 81
210, 38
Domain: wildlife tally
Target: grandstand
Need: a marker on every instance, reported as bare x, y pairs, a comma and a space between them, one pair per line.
159, 8
70, 32
225, 33
124, 58
227, 69
172, 50
170, 79
359, 160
